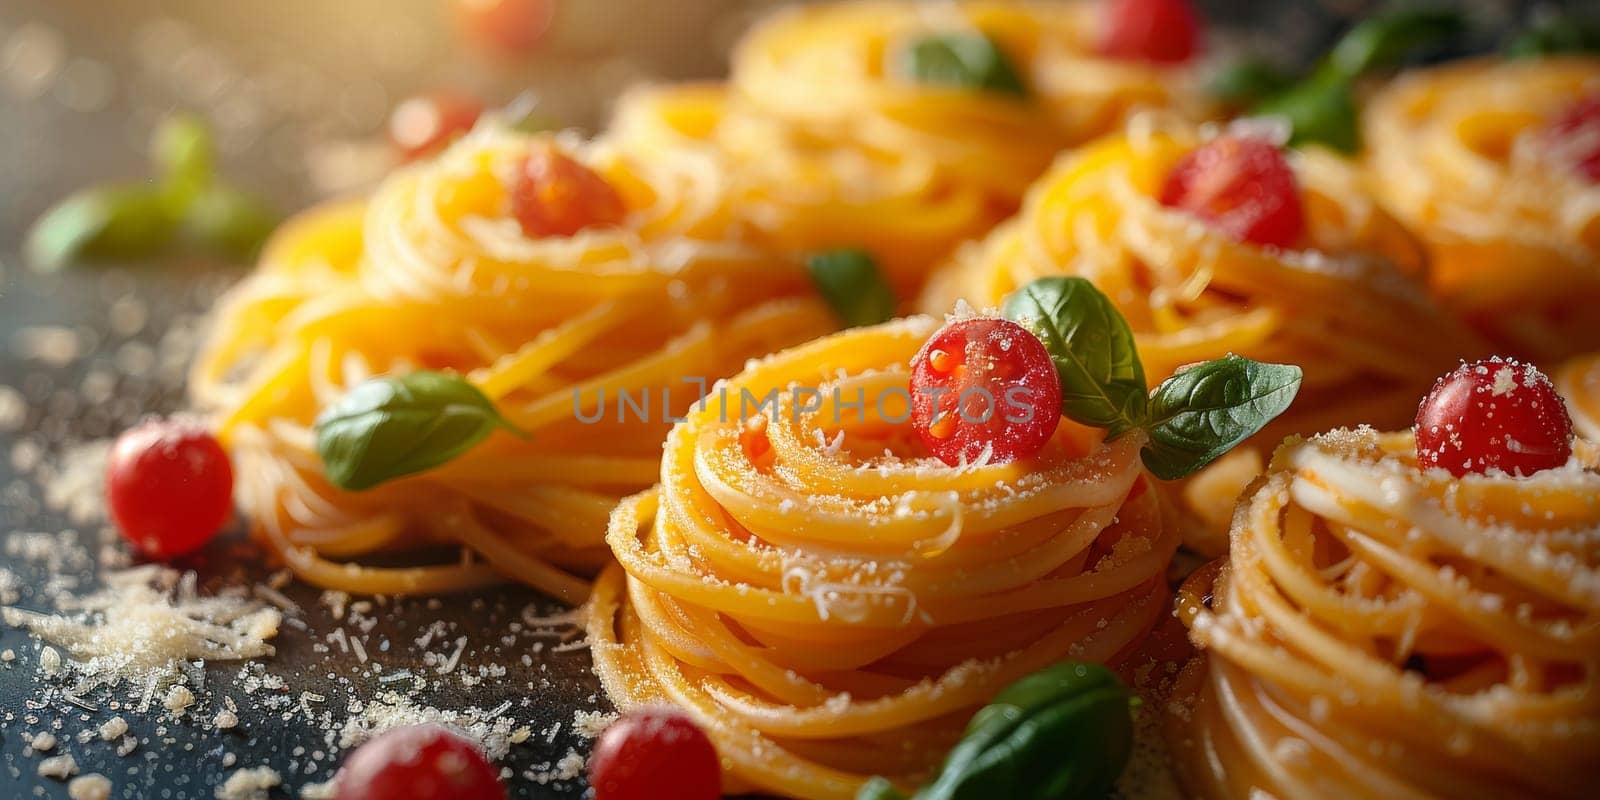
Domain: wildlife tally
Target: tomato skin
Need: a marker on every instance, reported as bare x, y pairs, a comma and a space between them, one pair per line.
169, 487
984, 384
1158, 31
655, 753
557, 196
1241, 186
506, 27
419, 762
1493, 414
1574, 136
423, 124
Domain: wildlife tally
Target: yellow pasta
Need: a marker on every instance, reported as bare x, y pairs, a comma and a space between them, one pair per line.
829, 602
1514, 233
826, 143
1381, 631
432, 272
1579, 382
1350, 308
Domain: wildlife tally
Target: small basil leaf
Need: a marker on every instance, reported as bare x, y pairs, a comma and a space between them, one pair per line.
1102, 381
229, 221
1205, 410
1245, 83
121, 221
1552, 34
1388, 39
1065, 731
964, 60
385, 428
184, 156
851, 283
1320, 110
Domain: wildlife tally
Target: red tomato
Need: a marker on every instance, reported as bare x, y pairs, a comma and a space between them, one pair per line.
419, 762
506, 27
655, 754
1575, 137
557, 196
984, 384
425, 123
169, 487
1493, 414
1242, 187
1161, 31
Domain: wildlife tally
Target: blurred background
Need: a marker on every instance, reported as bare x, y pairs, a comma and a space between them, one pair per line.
294, 87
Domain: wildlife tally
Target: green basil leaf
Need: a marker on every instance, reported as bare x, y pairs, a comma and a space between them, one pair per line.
964, 60
119, 221
1320, 110
1245, 83
1207, 409
1065, 731
1554, 33
851, 283
184, 157
1102, 381
229, 221
1387, 39
385, 428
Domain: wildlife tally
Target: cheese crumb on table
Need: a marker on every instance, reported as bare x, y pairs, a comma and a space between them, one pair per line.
252, 783
59, 767
178, 698
93, 786
113, 728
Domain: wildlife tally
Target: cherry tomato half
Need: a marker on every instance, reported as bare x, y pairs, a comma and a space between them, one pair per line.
984, 384
655, 754
1493, 414
419, 762
1241, 186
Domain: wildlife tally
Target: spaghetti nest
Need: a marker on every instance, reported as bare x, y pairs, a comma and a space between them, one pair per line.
829, 141
1578, 380
830, 602
1381, 631
1348, 306
433, 272
1456, 151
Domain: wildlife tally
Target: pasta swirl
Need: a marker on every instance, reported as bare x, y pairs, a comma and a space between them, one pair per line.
1381, 631
1515, 236
1350, 308
825, 144
432, 272
829, 602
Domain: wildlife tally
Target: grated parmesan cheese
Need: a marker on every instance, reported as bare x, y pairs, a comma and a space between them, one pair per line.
145, 624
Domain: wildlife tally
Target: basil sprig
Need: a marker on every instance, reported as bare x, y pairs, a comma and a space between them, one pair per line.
849, 280
1066, 731
1102, 381
1207, 409
385, 428
968, 60
1321, 107
138, 219
1192, 418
